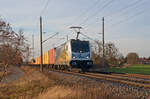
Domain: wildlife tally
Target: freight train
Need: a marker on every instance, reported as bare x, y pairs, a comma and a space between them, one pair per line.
72, 54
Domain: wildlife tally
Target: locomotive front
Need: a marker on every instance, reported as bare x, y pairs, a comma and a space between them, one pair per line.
81, 55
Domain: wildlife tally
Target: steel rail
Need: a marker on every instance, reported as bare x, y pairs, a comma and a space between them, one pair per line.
122, 80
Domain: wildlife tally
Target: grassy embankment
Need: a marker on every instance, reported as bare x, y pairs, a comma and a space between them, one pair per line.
135, 69
26, 87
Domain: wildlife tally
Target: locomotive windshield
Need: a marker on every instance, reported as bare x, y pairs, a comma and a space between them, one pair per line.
80, 46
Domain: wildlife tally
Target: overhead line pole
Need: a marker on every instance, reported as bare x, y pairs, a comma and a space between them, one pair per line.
103, 43
33, 45
67, 38
41, 65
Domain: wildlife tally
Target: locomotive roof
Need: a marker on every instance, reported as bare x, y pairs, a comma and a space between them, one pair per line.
70, 40
78, 40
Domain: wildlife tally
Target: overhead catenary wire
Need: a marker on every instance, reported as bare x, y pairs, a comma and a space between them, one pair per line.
106, 4
87, 11
81, 14
87, 37
91, 15
129, 18
50, 37
44, 8
124, 10
42, 11
127, 10
90, 9
41, 14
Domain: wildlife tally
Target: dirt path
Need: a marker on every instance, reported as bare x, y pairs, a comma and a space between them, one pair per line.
16, 73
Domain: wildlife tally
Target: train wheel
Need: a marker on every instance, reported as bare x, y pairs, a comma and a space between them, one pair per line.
83, 69
52, 67
56, 67
59, 68
65, 67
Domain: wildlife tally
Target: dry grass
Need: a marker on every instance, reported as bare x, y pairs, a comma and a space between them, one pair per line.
37, 85
58, 92
67, 88
30, 85
2, 73
79, 92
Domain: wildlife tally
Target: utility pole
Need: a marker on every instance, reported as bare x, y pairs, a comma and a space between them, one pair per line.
41, 65
103, 43
67, 37
33, 46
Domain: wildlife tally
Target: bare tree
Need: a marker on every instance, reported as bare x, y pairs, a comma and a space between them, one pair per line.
12, 46
112, 55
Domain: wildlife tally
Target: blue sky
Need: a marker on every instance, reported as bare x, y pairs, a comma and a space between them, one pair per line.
127, 22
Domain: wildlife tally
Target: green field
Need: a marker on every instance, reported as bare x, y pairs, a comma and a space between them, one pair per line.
135, 69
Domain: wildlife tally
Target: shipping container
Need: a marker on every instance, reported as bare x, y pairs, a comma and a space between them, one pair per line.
39, 60
46, 58
52, 56
36, 60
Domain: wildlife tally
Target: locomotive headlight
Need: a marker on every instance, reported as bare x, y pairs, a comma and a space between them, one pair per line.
73, 56
88, 56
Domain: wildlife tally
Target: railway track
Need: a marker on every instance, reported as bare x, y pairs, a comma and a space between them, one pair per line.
140, 83
121, 79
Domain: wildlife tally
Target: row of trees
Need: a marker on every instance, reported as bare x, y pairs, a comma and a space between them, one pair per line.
112, 55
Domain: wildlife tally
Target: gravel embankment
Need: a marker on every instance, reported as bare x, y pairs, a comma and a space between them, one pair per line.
114, 89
